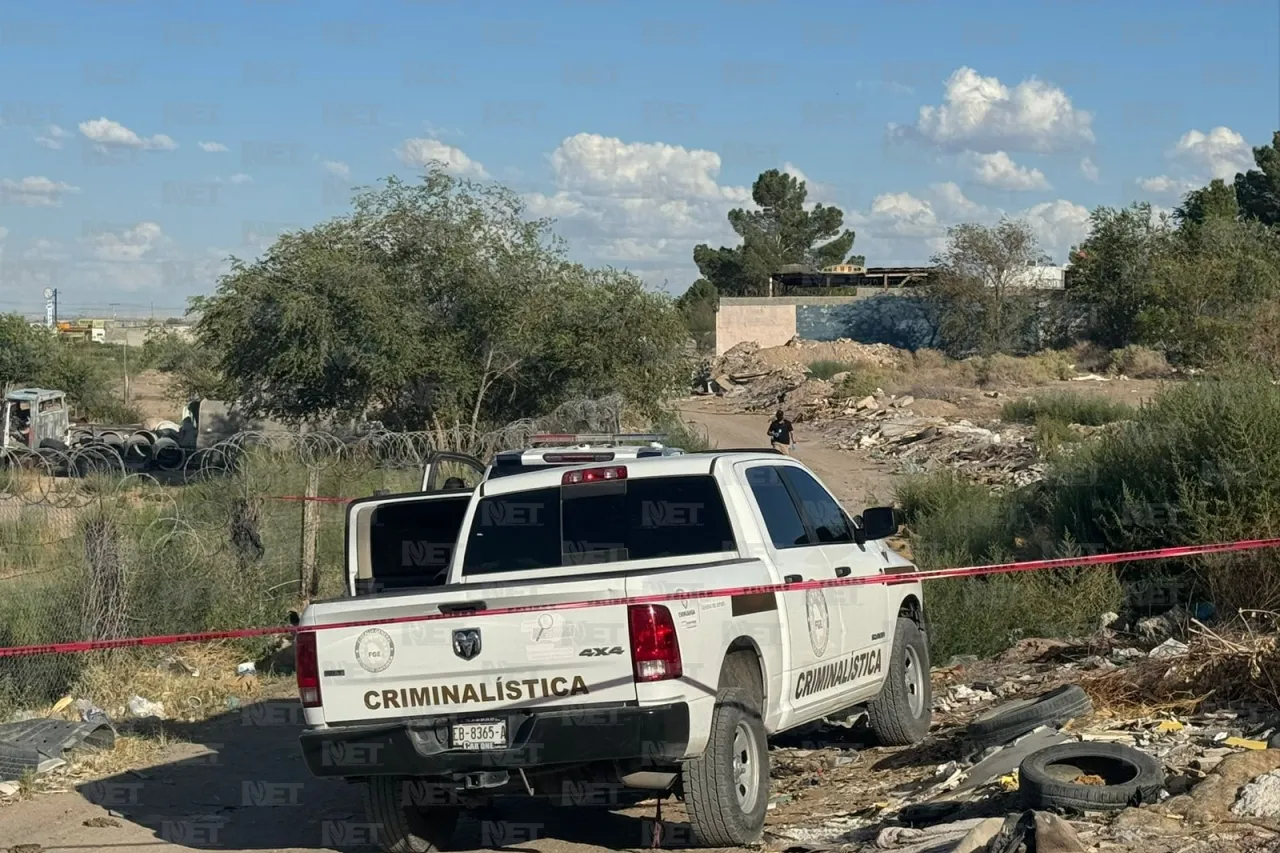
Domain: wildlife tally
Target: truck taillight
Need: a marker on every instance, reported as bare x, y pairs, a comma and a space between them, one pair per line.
655, 649
594, 475
307, 664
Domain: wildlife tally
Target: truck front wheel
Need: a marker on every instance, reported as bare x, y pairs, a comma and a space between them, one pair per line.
726, 789
902, 713
403, 824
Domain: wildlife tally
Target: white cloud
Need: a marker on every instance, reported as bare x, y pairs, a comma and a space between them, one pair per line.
897, 215
337, 167
817, 192
241, 178
130, 244
599, 165
1167, 186
1220, 153
1058, 225
998, 171
1089, 169
213, 147
52, 138
35, 192
421, 151
111, 134
984, 115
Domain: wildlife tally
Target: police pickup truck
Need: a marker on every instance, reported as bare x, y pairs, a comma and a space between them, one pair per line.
537, 673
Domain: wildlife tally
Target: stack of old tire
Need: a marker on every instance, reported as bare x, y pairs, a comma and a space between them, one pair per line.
1074, 776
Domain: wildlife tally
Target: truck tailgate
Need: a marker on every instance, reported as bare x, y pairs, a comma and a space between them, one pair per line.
476, 663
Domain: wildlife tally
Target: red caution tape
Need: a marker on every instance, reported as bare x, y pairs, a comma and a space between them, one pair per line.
889, 579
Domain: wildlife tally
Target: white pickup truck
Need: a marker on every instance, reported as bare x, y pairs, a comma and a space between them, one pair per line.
613, 702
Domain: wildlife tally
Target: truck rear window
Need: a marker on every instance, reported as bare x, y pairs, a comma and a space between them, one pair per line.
594, 523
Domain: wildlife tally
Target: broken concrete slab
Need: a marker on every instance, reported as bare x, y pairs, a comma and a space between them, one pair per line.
1211, 801
1260, 798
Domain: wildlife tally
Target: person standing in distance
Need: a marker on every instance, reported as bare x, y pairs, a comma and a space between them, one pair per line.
781, 433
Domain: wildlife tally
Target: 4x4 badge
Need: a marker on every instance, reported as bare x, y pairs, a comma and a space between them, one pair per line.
466, 643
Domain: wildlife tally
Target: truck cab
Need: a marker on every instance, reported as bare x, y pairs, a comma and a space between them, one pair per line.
34, 418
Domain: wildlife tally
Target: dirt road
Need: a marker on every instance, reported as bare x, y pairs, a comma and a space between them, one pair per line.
237, 782
857, 480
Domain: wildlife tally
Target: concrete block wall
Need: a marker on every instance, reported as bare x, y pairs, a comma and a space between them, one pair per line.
872, 316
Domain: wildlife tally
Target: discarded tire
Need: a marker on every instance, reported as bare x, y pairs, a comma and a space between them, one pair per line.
1014, 719
1083, 777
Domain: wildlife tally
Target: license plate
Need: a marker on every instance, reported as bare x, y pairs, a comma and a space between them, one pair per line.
480, 734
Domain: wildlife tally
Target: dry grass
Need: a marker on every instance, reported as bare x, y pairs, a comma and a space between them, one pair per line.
1240, 667
189, 698
1139, 362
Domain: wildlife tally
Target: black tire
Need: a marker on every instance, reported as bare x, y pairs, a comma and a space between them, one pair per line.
53, 444
1133, 778
1008, 722
902, 713
405, 827
717, 811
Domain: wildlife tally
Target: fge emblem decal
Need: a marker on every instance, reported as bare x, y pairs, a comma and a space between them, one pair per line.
374, 650
815, 605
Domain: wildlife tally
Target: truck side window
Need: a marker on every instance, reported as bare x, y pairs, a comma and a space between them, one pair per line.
822, 510
781, 518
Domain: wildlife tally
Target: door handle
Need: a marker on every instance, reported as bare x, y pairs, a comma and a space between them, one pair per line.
792, 579
843, 571
462, 607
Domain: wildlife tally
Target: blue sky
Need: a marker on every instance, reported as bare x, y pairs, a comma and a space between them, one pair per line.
637, 125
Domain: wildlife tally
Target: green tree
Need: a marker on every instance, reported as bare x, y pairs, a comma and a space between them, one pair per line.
26, 353
1111, 270
780, 232
980, 280
1215, 201
1207, 290
435, 304
1258, 190
698, 307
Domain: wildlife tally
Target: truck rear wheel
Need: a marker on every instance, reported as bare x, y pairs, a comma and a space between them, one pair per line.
405, 826
726, 789
901, 714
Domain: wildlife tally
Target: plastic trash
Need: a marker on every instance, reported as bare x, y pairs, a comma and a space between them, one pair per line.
141, 708
246, 668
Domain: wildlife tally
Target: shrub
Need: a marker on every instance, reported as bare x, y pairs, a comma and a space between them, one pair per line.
1066, 408
826, 369
929, 359
1139, 362
1035, 369
681, 433
1200, 463
860, 383
956, 523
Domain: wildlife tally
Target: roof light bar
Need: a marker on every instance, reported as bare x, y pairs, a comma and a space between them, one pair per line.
570, 438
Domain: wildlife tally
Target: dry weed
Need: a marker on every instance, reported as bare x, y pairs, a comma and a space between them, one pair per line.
1241, 667
1139, 362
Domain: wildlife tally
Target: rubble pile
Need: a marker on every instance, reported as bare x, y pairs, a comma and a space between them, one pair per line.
999, 454
1143, 774
764, 378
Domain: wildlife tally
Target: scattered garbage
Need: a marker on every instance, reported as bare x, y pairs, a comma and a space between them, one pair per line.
141, 708
246, 668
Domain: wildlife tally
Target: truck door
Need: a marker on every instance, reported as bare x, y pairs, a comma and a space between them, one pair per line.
813, 632
863, 609
447, 468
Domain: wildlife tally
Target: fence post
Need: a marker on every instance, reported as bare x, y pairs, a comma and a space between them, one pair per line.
310, 579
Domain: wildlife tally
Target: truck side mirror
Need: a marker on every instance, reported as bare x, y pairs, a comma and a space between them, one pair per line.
879, 522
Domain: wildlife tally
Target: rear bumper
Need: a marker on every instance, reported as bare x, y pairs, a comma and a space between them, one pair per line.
421, 746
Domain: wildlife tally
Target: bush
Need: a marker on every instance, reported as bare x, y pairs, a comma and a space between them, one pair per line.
861, 382
930, 359
827, 369
681, 433
1038, 369
954, 523
1200, 463
1139, 362
1066, 408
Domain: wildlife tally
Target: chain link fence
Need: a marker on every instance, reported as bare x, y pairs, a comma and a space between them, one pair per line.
235, 537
